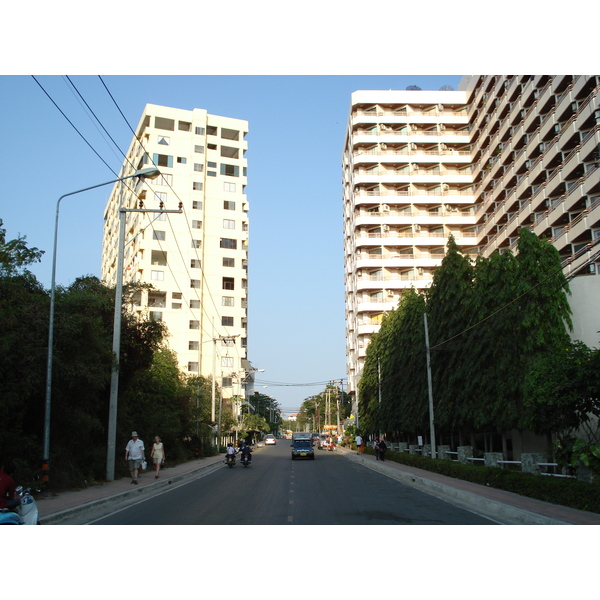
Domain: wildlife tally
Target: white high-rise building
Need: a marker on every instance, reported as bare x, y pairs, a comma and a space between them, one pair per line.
501, 153
196, 261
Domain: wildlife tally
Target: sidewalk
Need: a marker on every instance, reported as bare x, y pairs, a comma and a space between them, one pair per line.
505, 507
70, 507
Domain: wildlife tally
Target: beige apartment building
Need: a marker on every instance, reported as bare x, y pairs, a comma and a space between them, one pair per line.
196, 260
500, 153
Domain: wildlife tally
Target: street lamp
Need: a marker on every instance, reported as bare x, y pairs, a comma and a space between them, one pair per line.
148, 173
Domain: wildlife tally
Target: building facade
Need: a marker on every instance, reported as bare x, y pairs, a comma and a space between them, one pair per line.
500, 153
196, 260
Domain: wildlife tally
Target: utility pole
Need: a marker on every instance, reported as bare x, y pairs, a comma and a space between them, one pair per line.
224, 338
430, 387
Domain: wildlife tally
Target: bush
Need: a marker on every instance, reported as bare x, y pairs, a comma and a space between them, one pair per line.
556, 490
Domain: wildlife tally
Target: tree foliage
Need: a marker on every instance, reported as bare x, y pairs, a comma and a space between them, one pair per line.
155, 398
490, 323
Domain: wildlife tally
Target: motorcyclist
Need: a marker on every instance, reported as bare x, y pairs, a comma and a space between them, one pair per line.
231, 451
246, 450
8, 497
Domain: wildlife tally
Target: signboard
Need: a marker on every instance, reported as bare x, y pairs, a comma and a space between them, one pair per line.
420, 440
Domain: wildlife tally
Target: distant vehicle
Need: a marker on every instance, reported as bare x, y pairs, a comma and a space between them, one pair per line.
301, 435
303, 448
270, 440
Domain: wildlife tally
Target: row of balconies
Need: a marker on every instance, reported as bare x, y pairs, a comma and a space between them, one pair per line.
408, 111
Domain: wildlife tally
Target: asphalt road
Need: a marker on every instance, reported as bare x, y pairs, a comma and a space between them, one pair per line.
275, 490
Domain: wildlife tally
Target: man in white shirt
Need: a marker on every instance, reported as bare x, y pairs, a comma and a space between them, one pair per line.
134, 455
359, 443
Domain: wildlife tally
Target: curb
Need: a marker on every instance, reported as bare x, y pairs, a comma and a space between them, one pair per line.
493, 509
66, 515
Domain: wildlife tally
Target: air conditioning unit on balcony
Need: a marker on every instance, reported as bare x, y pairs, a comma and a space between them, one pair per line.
420, 271
383, 146
386, 228
417, 227
442, 127
413, 127
390, 293
385, 208
413, 146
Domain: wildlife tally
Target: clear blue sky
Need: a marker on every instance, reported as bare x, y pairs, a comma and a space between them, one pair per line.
295, 142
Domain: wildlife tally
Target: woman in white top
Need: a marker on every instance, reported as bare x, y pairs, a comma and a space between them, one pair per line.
157, 454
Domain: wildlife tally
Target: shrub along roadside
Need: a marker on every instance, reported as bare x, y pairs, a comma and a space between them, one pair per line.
556, 490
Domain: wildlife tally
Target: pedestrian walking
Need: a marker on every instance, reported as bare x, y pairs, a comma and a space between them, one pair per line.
135, 453
382, 449
158, 455
376, 447
359, 443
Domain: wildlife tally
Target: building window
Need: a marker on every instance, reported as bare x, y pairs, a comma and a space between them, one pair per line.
228, 301
181, 160
164, 140
193, 367
229, 152
230, 134
197, 186
158, 235
176, 305
196, 224
155, 315
227, 205
194, 324
211, 130
162, 123
164, 179
211, 173
212, 165
157, 275
160, 197
211, 146
198, 149
195, 263
162, 160
177, 295
228, 283
228, 262
198, 167
199, 131
159, 216
193, 345
184, 126
227, 382
158, 258
227, 361
194, 303
228, 243
195, 284
196, 205
230, 170
196, 244
229, 187
228, 224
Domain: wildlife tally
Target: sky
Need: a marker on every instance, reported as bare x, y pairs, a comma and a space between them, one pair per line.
297, 123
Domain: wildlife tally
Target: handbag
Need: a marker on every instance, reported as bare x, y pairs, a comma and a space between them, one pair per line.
144, 465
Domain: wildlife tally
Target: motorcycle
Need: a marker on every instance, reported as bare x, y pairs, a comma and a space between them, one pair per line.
25, 513
246, 459
230, 460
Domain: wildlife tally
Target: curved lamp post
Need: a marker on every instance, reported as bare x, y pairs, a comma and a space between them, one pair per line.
148, 173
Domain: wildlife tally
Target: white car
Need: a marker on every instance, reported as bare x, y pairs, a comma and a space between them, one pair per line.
270, 440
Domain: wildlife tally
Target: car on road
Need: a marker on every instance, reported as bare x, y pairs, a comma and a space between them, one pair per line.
302, 449
270, 440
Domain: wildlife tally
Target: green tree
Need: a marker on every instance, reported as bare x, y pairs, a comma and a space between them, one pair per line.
15, 254
449, 300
